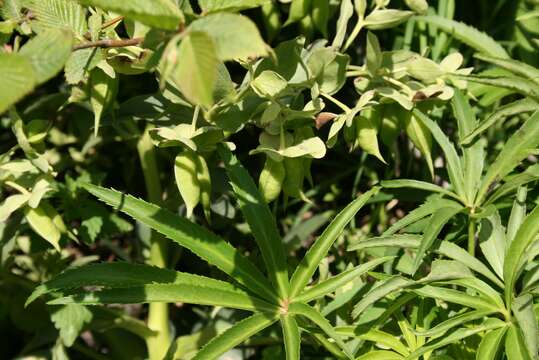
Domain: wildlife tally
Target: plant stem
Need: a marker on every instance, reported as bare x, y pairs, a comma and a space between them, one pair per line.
158, 312
353, 34
108, 43
471, 237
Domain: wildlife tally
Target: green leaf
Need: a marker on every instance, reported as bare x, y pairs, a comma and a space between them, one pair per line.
523, 308
433, 228
120, 275
185, 173
314, 315
374, 54
48, 52
45, 221
209, 6
332, 284
456, 297
200, 241
455, 252
235, 335
467, 34
514, 151
103, 90
404, 241
234, 36
320, 15
416, 184
380, 355
298, 10
420, 136
380, 19
345, 13
11, 204
513, 182
456, 336
269, 84
473, 155
70, 320
488, 348
454, 168
260, 219
518, 213
204, 180
291, 337
18, 79
271, 179
162, 14
493, 242
380, 290
515, 66
62, 14
80, 62
519, 85
170, 293
308, 265
430, 206
511, 109
453, 322
366, 136
515, 348
196, 68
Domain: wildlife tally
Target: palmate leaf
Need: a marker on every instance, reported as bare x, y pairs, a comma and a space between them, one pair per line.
429, 207
511, 109
454, 168
169, 293
433, 228
200, 241
467, 34
121, 274
291, 337
314, 315
514, 256
260, 219
417, 184
515, 150
235, 335
330, 285
162, 14
515, 66
456, 336
319, 249
516, 84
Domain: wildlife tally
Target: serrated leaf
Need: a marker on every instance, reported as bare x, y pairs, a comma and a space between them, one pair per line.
120, 275
70, 320
515, 66
454, 168
332, 284
515, 84
467, 34
260, 219
308, 265
235, 335
18, 79
162, 14
80, 62
200, 241
514, 151
169, 293
234, 36
291, 337
63, 14
314, 315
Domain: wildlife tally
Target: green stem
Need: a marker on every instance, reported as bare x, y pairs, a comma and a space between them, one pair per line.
353, 35
471, 237
158, 312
